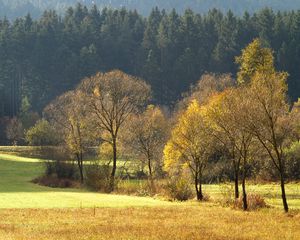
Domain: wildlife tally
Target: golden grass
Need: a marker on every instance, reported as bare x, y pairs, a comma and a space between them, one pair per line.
204, 221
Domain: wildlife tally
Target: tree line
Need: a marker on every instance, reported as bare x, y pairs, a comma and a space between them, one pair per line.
40, 59
244, 125
15, 8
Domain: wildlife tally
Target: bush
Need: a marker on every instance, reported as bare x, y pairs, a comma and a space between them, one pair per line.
61, 170
179, 189
55, 182
132, 187
98, 177
227, 193
254, 201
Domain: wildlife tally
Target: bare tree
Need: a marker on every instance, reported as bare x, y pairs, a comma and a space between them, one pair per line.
146, 135
112, 97
68, 114
15, 131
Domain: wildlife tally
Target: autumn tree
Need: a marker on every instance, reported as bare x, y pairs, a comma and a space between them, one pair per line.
267, 118
145, 136
69, 115
295, 120
208, 85
111, 99
223, 117
42, 134
254, 58
266, 113
189, 145
15, 131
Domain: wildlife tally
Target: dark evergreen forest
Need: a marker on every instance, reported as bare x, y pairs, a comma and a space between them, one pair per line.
17, 8
42, 58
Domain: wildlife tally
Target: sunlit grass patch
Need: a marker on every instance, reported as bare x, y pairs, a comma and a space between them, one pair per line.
204, 221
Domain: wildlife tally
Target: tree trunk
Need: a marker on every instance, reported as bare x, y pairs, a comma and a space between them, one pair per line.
152, 185
236, 184
198, 187
149, 167
114, 168
283, 195
80, 166
245, 204
200, 192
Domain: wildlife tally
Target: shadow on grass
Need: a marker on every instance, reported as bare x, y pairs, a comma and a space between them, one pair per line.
16, 176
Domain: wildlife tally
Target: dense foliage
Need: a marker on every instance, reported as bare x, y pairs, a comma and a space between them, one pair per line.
40, 59
16, 8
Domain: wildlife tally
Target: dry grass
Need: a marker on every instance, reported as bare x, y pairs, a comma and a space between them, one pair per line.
203, 222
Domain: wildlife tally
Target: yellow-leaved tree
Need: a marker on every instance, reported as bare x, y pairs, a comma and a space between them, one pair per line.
190, 145
266, 113
254, 58
224, 118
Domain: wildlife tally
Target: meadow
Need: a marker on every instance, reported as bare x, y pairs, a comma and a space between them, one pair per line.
30, 211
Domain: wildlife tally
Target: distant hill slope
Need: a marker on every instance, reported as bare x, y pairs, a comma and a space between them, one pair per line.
16, 8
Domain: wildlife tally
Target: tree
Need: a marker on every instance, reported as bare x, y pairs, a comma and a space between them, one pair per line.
145, 135
295, 120
111, 98
211, 84
69, 115
265, 114
190, 145
27, 117
15, 131
224, 118
42, 134
208, 85
267, 118
254, 58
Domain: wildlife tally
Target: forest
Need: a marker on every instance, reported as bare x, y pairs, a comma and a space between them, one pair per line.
17, 8
40, 59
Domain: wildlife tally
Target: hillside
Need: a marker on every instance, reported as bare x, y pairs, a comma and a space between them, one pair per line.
15, 8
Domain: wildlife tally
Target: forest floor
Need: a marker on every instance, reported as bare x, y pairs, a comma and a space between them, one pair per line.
29, 211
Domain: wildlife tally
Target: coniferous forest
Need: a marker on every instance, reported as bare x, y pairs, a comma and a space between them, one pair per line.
42, 58
122, 120
16, 8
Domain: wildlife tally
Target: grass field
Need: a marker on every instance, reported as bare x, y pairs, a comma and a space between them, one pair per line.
205, 222
16, 190
29, 211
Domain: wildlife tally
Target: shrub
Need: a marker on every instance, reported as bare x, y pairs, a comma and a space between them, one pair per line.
55, 182
227, 195
61, 170
254, 201
179, 189
132, 187
98, 177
